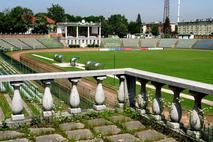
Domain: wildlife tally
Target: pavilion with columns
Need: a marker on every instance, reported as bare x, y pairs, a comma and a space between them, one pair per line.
80, 33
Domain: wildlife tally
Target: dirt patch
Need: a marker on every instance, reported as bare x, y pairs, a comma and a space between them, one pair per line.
17, 55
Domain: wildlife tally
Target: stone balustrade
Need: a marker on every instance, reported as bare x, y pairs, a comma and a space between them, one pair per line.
126, 94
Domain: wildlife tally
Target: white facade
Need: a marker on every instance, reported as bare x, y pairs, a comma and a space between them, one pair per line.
198, 27
92, 36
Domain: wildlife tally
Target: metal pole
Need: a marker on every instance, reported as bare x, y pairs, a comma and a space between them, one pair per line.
114, 66
178, 20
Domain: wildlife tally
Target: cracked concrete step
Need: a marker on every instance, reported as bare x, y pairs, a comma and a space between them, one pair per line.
51, 138
150, 135
41, 131
6, 135
81, 134
17, 140
107, 130
134, 125
98, 122
71, 126
122, 138
119, 118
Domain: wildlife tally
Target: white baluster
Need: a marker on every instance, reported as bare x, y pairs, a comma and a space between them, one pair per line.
143, 97
121, 92
196, 119
17, 102
47, 100
176, 110
74, 97
99, 95
157, 106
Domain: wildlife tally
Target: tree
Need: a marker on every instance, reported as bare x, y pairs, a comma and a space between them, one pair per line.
155, 31
40, 25
56, 12
1, 22
106, 28
133, 27
21, 19
139, 21
119, 24
167, 26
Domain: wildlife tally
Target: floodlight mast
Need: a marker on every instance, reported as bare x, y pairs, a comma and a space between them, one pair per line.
178, 18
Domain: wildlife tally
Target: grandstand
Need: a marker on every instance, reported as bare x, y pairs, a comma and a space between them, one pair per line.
17, 43
131, 43
186, 43
111, 42
32, 42
149, 43
50, 42
167, 43
204, 44
6, 46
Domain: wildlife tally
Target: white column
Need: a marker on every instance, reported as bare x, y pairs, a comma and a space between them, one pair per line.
17, 102
77, 32
99, 95
99, 43
65, 30
88, 32
66, 35
100, 32
74, 97
47, 100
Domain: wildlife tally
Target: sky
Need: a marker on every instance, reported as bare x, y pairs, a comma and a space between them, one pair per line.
150, 10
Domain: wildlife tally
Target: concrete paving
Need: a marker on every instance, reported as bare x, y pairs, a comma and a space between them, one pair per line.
116, 128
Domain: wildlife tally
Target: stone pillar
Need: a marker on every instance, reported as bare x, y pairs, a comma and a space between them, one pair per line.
99, 43
131, 86
122, 91
99, 95
196, 119
47, 100
17, 102
143, 97
65, 30
88, 32
74, 96
176, 110
157, 106
100, 32
77, 32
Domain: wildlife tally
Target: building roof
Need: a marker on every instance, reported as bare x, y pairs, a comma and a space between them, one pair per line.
49, 20
79, 24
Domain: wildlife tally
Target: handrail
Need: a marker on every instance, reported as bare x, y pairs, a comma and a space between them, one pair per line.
164, 79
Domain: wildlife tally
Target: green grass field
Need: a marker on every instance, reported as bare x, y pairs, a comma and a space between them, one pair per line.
195, 65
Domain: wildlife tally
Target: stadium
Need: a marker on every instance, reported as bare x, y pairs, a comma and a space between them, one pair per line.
74, 84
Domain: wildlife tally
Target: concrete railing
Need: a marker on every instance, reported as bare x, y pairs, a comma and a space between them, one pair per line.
126, 92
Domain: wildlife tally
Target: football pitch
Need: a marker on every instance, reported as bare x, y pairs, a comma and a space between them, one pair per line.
190, 64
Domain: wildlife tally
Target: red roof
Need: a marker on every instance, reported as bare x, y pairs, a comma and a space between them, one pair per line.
49, 20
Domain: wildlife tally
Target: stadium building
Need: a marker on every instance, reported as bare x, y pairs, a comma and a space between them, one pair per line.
198, 27
81, 33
